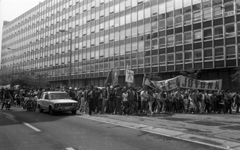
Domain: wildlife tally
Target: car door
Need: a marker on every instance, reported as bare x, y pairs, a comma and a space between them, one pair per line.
46, 101
40, 101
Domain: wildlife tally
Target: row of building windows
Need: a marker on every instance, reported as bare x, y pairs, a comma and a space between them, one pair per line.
140, 13
38, 48
108, 38
50, 8
141, 59
126, 18
149, 41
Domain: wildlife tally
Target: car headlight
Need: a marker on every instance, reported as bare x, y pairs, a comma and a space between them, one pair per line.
57, 105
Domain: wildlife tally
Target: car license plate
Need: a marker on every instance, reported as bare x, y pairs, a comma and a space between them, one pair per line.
68, 107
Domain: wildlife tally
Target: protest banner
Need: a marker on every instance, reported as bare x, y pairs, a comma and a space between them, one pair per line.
213, 85
5, 86
189, 83
167, 85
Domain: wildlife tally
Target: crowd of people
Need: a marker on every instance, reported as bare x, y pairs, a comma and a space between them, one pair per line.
17, 97
131, 101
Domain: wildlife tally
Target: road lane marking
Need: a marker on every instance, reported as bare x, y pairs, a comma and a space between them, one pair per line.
12, 119
32, 127
69, 148
9, 115
146, 129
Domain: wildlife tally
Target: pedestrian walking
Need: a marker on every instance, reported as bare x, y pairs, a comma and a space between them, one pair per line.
237, 102
118, 94
144, 100
91, 100
125, 101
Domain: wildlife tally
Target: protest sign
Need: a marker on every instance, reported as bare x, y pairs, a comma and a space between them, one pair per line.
129, 76
189, 83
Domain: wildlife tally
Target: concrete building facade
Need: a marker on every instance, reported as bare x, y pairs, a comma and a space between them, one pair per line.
149, 36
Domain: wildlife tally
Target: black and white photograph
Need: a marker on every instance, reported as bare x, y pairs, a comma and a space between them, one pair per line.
119, 74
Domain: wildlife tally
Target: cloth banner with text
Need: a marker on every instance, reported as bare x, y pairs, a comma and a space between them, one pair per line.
189, 83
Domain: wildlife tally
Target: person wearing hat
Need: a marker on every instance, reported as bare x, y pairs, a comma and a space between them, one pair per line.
71, 93
75, 94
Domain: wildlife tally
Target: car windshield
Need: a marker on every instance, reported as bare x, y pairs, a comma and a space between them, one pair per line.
53, 96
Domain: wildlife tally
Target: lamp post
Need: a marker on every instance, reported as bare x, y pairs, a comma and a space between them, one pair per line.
70, 65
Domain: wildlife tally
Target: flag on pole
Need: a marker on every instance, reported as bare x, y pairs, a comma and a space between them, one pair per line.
147, 82
144, 78
115, 75
109, 79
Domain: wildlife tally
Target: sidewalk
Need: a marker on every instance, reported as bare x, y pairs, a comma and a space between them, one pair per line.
215, 129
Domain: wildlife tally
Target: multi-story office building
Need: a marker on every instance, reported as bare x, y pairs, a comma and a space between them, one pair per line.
150, 36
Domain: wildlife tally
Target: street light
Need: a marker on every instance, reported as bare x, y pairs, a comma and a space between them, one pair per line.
70, 65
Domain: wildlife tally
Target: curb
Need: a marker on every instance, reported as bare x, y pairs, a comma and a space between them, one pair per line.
203, 140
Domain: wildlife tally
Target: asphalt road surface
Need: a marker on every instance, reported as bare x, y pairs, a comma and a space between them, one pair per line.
23, 130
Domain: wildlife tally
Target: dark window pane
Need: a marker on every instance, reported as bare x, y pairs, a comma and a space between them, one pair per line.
154, 52
197, 26
218, 43
230, 41
178, 30
162, 68
197, 45
170, 68
218, 22
170, 49
229, 19
169, 32
187, 28
198, 66
207, 24
162, 51
208, 65
179, 48
154, 35
219, 64
179, 67
207, 44
188, 66
231, 63
188, 47
162, 33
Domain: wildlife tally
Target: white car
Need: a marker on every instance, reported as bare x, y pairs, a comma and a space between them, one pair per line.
56, 101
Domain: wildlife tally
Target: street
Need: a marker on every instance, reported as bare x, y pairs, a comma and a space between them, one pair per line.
22, 130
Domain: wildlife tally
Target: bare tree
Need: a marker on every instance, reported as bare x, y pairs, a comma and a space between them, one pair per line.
192, 73
236, 76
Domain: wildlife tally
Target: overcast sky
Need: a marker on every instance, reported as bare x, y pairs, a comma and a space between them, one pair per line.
11, 9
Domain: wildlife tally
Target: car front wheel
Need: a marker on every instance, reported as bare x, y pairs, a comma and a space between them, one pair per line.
40, 109
51, 111
74, 112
